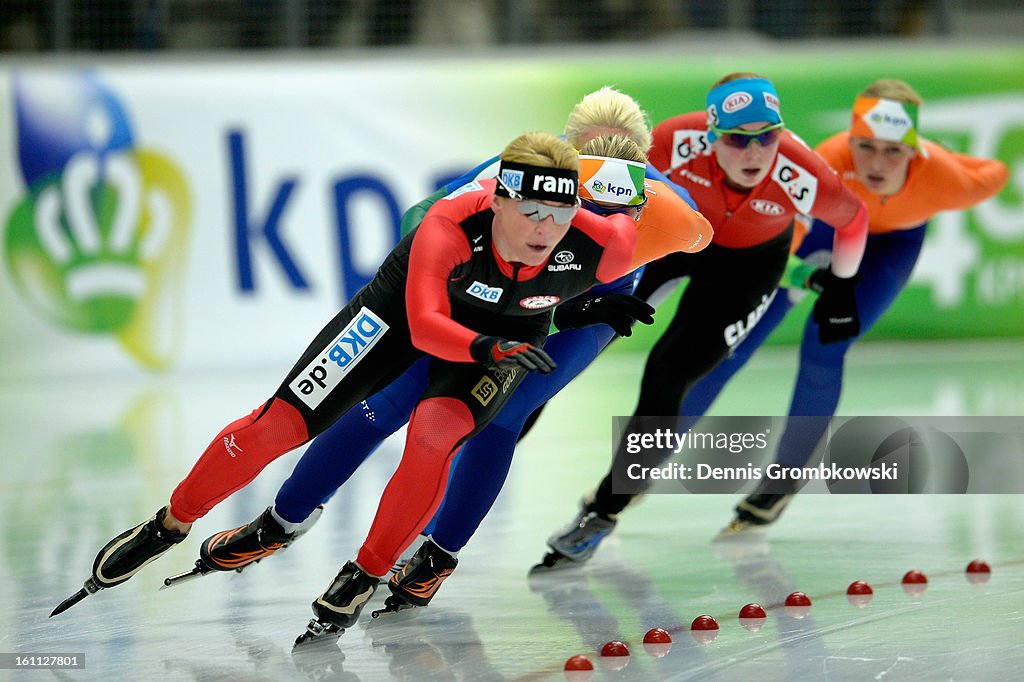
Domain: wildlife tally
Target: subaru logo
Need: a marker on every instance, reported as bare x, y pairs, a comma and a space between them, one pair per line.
564, 257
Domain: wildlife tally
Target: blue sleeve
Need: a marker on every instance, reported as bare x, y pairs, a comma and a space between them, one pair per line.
487, 169
414, 216
655, 174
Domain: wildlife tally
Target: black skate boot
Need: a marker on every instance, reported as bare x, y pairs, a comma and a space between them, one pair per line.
419, 579
577, 542
237, 548
234, 549
409, 552
341, 603
125, 555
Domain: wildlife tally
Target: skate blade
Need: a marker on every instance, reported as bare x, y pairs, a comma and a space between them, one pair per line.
388, 620
69, 602
87, 589
197, 571
393, 607
553, 562
318, 632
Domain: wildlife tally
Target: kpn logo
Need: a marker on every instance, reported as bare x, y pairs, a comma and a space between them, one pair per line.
97, 243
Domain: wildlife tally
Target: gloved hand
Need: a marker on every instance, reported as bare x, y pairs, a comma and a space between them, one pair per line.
835, 311
498, 353
618, 311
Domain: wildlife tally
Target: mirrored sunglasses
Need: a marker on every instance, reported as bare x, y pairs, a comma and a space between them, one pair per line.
741, 139
607, 210
536, 211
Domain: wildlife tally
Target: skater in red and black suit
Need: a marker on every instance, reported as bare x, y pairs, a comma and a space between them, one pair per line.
471, 288
750, 177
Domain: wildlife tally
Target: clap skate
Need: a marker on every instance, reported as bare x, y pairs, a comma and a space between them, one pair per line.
239, 548
577, 542
339, 606
415, 585
318, 631
124, 556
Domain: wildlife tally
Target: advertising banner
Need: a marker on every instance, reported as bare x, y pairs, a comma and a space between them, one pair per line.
193, 215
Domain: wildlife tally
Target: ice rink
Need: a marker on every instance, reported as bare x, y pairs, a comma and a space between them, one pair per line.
84, 459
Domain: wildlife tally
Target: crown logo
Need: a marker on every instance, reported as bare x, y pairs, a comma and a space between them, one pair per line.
97, 244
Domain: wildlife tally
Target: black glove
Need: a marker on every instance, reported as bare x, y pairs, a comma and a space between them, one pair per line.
500, 354
835, 311
618, 311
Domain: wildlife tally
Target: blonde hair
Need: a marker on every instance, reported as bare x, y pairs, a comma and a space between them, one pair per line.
614, 147
543, 150
611, 110
891, 88
735, 76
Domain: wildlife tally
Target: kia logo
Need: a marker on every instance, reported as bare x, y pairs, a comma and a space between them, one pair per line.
736, 101
765, 207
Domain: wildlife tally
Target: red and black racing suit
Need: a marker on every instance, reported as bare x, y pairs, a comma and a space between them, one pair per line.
435, 293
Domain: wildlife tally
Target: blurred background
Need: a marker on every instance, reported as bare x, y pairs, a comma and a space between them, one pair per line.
175, 168
119, 25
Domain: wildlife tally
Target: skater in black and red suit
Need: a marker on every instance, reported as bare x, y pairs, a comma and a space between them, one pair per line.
471, 288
